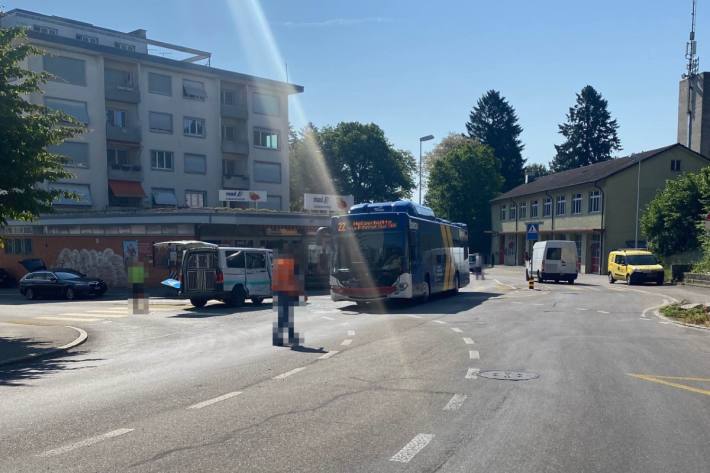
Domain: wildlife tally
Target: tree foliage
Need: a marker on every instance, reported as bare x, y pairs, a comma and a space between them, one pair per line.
536, 170
590, 133
461, 184
449, 142
350, 158
25, 132
493, 122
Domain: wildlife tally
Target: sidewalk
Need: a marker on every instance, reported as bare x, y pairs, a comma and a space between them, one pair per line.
23, 342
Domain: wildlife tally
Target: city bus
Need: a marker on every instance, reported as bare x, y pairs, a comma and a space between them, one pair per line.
396, 250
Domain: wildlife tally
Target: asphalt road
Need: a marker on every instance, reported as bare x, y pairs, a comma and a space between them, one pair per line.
388, 390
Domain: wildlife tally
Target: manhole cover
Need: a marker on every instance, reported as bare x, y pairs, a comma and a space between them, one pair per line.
509, 375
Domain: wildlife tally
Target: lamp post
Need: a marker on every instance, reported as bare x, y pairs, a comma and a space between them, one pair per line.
421, 140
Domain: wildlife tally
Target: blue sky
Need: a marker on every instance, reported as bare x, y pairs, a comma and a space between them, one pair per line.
417, 67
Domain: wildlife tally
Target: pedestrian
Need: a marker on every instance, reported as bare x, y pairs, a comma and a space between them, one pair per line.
287, 288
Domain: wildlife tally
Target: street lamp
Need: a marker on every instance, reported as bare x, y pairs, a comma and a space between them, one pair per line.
421, 140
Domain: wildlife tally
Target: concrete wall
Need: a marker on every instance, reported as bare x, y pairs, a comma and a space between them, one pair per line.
700, 104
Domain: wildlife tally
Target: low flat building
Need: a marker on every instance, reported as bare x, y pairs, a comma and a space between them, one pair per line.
597, 206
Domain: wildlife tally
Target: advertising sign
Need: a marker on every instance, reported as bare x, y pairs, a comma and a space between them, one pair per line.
332, 203
226, 195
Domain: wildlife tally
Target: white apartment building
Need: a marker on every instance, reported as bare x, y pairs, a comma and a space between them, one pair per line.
160, 132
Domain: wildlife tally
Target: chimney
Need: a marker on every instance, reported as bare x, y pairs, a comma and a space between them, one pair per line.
141, 33
529, 178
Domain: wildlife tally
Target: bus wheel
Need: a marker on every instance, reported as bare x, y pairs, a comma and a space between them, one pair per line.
198, 302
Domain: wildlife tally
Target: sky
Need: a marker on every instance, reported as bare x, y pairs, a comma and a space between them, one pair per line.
417, 67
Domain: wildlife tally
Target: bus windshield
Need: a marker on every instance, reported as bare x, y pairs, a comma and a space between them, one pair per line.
374, 251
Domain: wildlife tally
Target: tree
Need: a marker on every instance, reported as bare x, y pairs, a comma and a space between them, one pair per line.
493, 122
536, 170
590, 133
461, 184
449, 142
306, 175
25, 132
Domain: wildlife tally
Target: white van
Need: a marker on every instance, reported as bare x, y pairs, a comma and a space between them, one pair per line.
555, 260
229, 274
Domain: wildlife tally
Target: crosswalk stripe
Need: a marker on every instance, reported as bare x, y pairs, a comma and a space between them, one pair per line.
93, 314
70, 319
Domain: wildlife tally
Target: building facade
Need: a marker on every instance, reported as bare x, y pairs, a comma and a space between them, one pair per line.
597, 206
159, 132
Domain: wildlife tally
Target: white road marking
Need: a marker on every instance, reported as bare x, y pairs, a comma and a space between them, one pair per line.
468, 341
644, 318
327, 318
516, 302
412, 448
413, 316
328, 355
208, 402
602, 312
85, 443
289, 373
472, 373
663, 322
504, 284
455, 402
351, 333
70, 319
456, 329
581, 308
474, 355
95, 314
439, 321
107, 310
346, 342
537, 303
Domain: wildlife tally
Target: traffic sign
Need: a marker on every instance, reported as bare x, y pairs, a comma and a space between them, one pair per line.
533, 231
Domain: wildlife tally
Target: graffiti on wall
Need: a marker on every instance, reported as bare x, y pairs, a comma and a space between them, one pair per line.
104, 264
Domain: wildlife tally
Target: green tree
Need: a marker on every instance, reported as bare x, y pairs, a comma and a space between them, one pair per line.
461, 184
590, 133
493, 122
536, 170
449, 142
25, 132
305, 174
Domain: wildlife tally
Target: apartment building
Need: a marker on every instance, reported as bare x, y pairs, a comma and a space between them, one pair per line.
160, 132
595, 206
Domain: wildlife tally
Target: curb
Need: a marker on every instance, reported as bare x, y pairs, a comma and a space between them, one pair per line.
35, 356
658, 314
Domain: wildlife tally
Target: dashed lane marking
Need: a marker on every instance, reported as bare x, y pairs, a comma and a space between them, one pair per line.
412, 448
472, 373
602, 312
456, 329
85, 442
70, 319
504, 284
581, 308
439, 321
455, 402
109, 315
474, 355
289, 373
468, 340
209, 402
351, 333
413, 316
346, 342
328, 355
327, 318
663, 322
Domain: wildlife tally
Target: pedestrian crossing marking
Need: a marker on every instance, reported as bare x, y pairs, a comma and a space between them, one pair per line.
70, 319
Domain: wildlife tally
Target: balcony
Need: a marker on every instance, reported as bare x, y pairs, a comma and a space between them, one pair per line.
236, 110
235, 147
122, 93
125, 172
128, 134
235, 182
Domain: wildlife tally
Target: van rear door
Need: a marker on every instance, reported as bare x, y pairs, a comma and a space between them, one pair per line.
199, 273
258, 279
552, 260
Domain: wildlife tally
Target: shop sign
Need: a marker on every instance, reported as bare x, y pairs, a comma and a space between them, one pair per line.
228, 195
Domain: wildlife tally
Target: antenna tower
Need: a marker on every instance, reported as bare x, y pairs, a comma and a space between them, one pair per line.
691, 74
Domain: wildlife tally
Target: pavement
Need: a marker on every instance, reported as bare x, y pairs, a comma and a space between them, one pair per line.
26, 341
415, 387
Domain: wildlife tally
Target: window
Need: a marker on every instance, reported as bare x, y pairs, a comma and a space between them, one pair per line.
161, 160
82, 191
256, 260
675, 164
160, 122
66, 69
160, 84
193, 127
234, 167
502, 212
264, 138
73, 108
87, 38
18, 246
228, 97
229, 133
273, 202
577, 204
523, 210
45, 30
117, 78
561, 205
595, 201
511, 212
192, 89
195, 199
534, 205
195, 163
554, 254
266, 104
116, 118
267, 172
125, 46
164, 197
117, 158
235, 260
547, 207
77, 154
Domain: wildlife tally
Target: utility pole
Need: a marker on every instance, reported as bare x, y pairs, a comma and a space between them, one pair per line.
691, 50
421, 140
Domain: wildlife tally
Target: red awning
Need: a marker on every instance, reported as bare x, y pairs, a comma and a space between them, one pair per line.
126, 189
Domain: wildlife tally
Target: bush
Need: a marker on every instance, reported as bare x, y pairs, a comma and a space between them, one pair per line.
698, 314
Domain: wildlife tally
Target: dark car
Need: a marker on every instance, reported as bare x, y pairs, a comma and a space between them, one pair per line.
68, 284
6, 279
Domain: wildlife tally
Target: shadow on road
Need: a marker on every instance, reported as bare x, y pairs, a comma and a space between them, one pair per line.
302, 349
439, 304
17, 374
219, 310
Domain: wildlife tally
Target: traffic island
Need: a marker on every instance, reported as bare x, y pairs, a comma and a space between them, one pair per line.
694, 315
22, 342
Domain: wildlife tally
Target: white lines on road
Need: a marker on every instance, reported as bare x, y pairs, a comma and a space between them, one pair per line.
504, 284
328, 355
455, 402
347, 342
537, 304
70, 319
351, 333
468, 341
474, 355
208, 402
439, 322
327, 318
456, 329
85, 443
516, 302
413, 316
644, 318
663, 322
472, 373
412, 448
602, 312
289, 373
581, 308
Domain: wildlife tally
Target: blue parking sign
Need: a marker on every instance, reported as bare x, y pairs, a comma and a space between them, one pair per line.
533, 231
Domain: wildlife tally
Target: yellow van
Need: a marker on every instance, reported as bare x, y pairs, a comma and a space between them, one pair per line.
634, 266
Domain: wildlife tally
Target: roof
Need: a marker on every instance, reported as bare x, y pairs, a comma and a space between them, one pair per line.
585, 174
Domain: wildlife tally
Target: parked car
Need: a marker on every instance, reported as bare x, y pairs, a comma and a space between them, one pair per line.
555, 260
6, 279
67, 284
634, 266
